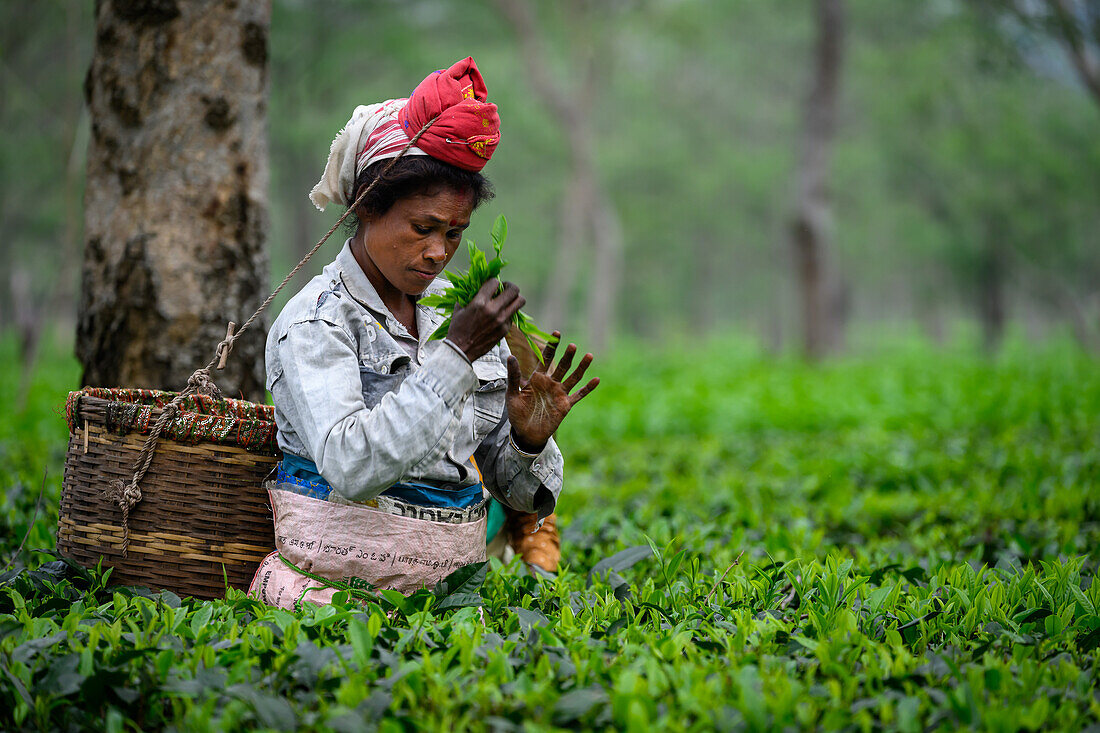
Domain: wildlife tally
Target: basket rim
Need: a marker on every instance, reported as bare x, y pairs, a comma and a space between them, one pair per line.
226, 421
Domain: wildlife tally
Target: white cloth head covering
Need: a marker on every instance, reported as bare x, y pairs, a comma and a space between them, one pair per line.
372, 134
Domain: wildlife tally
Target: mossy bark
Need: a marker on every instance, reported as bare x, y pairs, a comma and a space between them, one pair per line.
175, 207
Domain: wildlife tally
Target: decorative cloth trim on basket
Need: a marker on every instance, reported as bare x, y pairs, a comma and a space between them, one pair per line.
201, 419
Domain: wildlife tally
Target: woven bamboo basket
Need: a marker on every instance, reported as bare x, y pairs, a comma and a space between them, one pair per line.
203, 519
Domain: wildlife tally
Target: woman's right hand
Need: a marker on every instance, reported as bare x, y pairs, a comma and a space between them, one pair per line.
484, 321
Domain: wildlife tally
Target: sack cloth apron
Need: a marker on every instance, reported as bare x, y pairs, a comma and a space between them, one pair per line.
323, 545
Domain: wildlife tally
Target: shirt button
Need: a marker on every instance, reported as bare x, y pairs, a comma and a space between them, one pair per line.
384, 370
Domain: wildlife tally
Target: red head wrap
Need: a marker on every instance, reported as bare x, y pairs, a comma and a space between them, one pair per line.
468, 128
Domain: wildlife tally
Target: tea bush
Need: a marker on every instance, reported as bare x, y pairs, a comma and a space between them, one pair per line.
906, 541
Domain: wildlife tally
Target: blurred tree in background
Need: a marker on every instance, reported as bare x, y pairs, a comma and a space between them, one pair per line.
1074, 24
44, 50
821, 290
1007, 182
964, 176
588, 216
1027, 31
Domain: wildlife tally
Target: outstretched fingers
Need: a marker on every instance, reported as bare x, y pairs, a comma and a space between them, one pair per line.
515, 377
549, 350
584, 391
574, 379
565, 363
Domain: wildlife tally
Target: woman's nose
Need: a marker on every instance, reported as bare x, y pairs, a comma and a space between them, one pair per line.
436, 251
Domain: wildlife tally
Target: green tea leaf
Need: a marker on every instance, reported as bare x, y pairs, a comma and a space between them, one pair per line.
529, 617
1087, 642
622, 560
499, 232
467, 579
434, 301
465, 285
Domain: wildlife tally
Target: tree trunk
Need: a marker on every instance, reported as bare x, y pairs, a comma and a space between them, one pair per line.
811, 231
1076, 41
604, 286
175, 208
992, 308
571, 248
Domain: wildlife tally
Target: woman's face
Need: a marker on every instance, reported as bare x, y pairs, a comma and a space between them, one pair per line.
411, 243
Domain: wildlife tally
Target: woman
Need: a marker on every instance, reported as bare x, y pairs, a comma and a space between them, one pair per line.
391, 440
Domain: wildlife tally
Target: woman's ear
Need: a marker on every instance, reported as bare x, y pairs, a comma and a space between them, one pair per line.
364, 216
360, 210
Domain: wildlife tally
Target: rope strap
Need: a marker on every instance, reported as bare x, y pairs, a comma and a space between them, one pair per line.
127, 495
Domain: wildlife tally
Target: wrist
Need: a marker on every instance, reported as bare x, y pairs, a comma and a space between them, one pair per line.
525, 447
465, 345
459, 349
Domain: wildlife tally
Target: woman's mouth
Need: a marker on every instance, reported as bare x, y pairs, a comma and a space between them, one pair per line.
429, 276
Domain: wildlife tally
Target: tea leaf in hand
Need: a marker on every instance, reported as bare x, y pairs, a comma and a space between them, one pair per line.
465, 285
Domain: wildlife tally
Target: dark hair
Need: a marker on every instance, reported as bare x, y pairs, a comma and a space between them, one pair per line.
415, 175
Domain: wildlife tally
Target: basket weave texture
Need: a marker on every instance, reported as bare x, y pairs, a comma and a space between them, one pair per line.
203, 507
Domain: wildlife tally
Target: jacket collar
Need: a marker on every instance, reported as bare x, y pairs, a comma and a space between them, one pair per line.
356, 282
360, 288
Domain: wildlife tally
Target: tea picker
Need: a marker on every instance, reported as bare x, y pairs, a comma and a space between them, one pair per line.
388, 443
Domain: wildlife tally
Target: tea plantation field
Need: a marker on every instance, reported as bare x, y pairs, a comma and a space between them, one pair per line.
905, 541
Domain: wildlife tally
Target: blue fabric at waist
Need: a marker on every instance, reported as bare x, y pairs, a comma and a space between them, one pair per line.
304, 475
302, 468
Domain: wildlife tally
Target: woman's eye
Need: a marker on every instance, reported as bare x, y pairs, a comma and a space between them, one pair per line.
421, 229
454, 234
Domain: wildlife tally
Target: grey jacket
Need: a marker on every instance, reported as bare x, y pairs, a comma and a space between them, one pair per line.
350, 398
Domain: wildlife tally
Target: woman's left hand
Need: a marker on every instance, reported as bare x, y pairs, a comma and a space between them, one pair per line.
538, 405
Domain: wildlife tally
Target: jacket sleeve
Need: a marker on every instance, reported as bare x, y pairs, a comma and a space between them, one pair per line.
362, 451
526, 482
